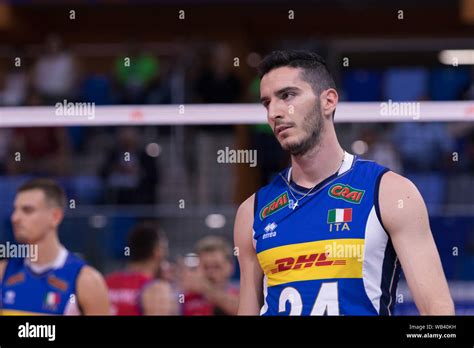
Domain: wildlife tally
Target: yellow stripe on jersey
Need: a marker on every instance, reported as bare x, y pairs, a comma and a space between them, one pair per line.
325, 259
10, 312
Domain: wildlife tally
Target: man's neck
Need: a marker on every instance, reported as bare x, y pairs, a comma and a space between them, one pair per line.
48, 251
147, 267
318, 163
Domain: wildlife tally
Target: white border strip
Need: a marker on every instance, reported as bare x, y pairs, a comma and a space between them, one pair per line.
220, 114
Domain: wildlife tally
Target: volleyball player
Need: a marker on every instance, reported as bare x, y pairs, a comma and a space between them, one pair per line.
55, 281
328, 235
137, 289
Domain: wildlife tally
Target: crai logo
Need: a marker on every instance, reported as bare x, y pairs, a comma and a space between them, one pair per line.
346, 193
274, 206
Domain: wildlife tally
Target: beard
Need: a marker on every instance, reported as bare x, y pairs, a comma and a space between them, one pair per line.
313, 125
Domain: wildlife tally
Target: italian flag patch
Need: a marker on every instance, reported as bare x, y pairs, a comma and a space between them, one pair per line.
339, 215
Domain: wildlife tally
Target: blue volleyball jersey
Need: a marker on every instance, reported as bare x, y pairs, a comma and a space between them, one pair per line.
330, 254
52, 292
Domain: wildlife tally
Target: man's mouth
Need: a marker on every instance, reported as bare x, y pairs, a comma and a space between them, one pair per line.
282, 127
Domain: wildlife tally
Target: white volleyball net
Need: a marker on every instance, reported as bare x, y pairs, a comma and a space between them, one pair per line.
189, 166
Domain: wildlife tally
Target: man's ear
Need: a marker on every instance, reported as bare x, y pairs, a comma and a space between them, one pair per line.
329, 99
58, 216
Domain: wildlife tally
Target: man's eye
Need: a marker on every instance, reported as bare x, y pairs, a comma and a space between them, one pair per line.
286, 95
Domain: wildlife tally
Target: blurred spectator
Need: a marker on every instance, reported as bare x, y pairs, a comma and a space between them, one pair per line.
135, 290
217, 82
135, 73
159, 89
362, 85
55, 73
213, 81
380, 149
130, 174
467, 155
5, 141
468, 92
97, 88
404, 84
207, 288
39, 150
15, 85
448, 82
423, 146
271, 157
42, 150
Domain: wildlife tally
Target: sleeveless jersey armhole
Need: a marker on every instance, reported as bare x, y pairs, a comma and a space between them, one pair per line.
376, 198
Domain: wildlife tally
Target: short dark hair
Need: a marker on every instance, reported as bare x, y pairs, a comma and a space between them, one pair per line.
314, 68
143, 239
52, 190
214, 243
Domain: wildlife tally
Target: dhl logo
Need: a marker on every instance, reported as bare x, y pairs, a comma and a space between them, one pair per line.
305, 261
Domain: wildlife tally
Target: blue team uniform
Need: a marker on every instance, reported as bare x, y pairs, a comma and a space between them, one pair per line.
330, 254
52, 292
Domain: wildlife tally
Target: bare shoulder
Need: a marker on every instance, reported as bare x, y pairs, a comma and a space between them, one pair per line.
243, 227
246, 208
400, 202
158, 287
92, 292
158, 299
393, 182
90, 280
395, 188
244, 218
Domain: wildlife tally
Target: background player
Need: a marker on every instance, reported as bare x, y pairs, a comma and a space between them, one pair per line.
283, 230
136, 291
57, 281
207, 286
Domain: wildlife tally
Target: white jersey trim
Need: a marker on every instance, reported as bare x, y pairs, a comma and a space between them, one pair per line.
254, 241
57, 263
346, 163
376, 240
264, 308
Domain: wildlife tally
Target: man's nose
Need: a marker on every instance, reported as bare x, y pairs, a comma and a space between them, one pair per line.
275, 110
